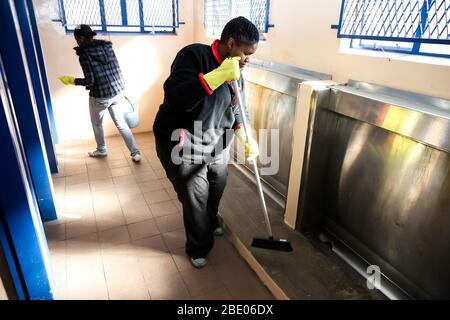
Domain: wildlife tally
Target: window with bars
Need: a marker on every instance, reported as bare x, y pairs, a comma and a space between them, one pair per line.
219, 12
407, 26
109, 16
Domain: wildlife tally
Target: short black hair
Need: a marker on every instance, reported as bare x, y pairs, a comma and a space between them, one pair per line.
241, 30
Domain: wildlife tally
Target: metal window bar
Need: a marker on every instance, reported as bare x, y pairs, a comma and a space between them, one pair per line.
358, 44
155, 16
418, 21
218, 12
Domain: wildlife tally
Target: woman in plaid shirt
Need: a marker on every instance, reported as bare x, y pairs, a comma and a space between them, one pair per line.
104, 80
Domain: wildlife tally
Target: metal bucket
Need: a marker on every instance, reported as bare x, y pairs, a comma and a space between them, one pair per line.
132, 113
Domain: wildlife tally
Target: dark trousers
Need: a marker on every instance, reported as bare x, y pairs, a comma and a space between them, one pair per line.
199, 188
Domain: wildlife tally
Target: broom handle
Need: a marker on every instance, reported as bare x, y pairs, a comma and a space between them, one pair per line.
248, 134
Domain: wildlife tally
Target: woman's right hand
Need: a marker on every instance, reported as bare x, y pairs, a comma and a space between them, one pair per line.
227, 71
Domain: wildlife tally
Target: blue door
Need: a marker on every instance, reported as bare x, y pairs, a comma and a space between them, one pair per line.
22, 237
20, 69
26, 190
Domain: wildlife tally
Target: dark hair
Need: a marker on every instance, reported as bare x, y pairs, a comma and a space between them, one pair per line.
84, 30
241, 30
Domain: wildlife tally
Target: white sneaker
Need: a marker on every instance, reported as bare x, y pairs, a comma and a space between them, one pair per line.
199, 262
96, 153
136, 157
219, 231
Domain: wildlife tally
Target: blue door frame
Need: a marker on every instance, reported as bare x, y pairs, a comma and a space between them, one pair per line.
30, 44
22, 238
19, 77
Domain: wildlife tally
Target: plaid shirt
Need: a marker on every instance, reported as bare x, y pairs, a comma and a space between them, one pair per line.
102, 74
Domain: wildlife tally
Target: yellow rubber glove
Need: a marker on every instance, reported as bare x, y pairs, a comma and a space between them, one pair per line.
251, 149
228, 70
67, 80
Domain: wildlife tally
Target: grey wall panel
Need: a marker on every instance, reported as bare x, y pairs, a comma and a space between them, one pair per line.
271, 91
379, 181
273, 110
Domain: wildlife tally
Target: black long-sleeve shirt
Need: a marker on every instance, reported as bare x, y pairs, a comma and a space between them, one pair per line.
187, 99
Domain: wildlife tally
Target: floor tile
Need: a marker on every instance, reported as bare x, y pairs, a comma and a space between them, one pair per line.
172, 193
99, 174
163, 208
109, 220
124, 180
77, 188
157, 196
136, 214
157, 267
171, 287
151, 185
143, 229
201, 281
120, 233
102, 184
77, 179
146, 176
55, 232
83, 245
240, 280
130, 201
170, 222
118, 172
175, 239
80, 227
219, 294
181, 259
115, 236
152, 246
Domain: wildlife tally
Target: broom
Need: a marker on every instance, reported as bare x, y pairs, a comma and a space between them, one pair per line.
270, 242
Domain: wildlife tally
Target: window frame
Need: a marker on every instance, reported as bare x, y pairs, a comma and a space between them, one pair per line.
267, 24
415, 50
103, 28
357, 41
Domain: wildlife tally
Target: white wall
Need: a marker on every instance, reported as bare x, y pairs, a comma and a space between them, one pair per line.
302, 37
145, 61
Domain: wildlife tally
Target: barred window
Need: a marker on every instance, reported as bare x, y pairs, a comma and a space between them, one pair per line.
145, 16
408, 26
219, 12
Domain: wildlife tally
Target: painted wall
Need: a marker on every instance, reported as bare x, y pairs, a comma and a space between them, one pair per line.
145, 61
302, 37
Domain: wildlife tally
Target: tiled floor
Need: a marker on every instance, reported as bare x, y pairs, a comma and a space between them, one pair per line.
120, 234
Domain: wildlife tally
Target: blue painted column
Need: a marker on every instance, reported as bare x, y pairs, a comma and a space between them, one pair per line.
21, 87
30, 45
22, 237
43, 72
